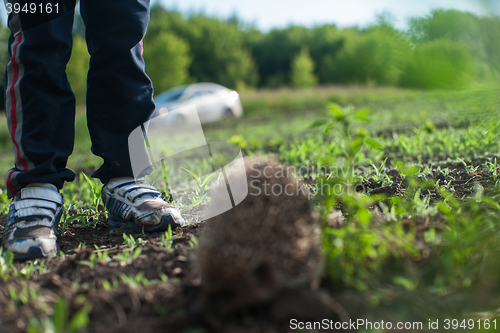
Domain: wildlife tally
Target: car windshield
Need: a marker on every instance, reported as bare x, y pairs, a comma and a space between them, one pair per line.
170, 95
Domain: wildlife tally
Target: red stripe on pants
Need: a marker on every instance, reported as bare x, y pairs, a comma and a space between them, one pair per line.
11, 187
13, 107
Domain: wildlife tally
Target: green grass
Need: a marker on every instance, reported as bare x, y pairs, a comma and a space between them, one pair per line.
275, 117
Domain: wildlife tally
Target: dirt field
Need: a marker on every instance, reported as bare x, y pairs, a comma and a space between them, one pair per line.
149, 283
158, 289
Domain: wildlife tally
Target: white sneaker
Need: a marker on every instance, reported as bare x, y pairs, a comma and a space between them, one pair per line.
136, 205
32, 222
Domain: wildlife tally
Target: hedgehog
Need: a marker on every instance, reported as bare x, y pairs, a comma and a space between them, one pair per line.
268, 243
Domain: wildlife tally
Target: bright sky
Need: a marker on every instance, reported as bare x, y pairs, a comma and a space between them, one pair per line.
266, 14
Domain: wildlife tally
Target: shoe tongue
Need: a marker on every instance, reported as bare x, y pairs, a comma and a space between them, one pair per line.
44, 185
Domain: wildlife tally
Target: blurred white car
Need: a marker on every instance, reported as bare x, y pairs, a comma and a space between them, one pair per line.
212, 101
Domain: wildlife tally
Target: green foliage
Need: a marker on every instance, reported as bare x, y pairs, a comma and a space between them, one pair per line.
167, 59
128, 255
479, 35
96, 187
357, 252
238, 140
467, 244
199, 195
24, 296
6, 263
302, 71
85, 198
102, 255
77, 68
137, 281
4, 202
217, 49
60, 321
274, 53
442, 64
28, 270
375, 57
166, 239
31, 269
131, 242
380, 176
241, 71
342, 119
371, 250
4, 37
238, 55
108, 286
4, 55
417, 146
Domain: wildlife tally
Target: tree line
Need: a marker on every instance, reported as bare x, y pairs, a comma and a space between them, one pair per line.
446, 49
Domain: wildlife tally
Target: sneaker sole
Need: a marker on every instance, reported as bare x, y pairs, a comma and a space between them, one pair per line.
166, 221
34, 252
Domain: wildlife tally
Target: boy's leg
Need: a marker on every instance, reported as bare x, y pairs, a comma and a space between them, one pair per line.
40, 114
119, 99
40, 106
120, 94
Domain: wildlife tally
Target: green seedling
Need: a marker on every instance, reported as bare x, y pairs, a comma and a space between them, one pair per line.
23, 296
89, 205
193, 242
492, 168
128, 255
32, 269
110, 286
95, 187
200, 194
166, 239
6, 264
138, 280
60, 322
469, 168
4, 202
343, 119
380, 176
102, 255
131, 242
